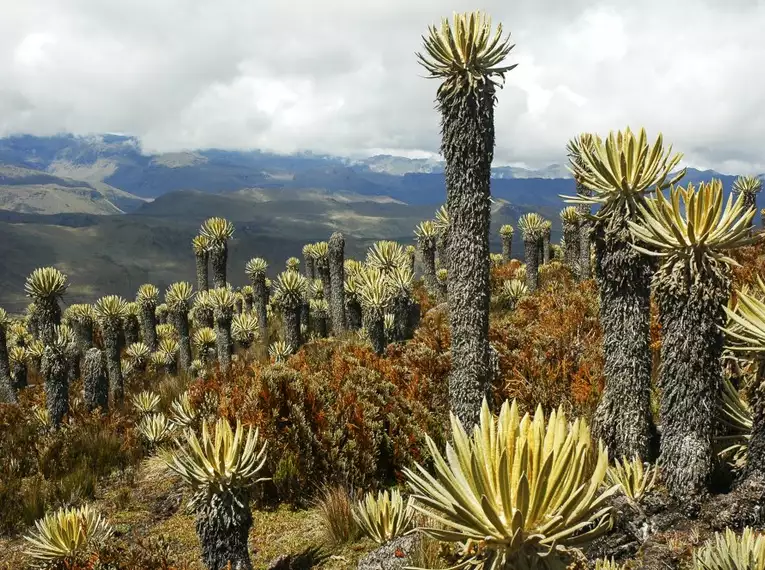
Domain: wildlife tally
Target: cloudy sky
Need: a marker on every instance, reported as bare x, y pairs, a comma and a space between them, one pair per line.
340, 76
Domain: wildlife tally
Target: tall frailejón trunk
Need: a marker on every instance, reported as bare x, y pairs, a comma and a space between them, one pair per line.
507, 248
224, 532
292, 337
181, 321
374, 323
442, 247
149, 325
428, 256
337, 279
310, 268
219, 260
322, 268
755, 463
47, 316
223, 337
260, 297
623, 416
54, 371
95, 381
546, 248
571, 246
202, 260
531, 255
6, 384
468, 147
111, 329
353, 313
690, 380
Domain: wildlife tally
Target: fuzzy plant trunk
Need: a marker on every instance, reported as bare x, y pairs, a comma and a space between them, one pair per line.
260, 298
47, 316
531, 255
374, 323
309, 267
442, 247
468, 148
507, 248
95, 381
320, 325
149, 325
690, 378
353, 313
224, 534
428, 257
181, 321
291, 315
54, 370
322, 268
585, 233
73, 356
83, 334
755, 460
219, 261
132, 330
571, 245
6, 383
203, 281
546, 248
305, 315
110, 329
18, 375
223, 337
248, 302
337, 280
205, 317
410, 260
623, 416
401, 310
239, 305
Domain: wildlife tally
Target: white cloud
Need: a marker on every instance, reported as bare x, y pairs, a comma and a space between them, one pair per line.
341, 77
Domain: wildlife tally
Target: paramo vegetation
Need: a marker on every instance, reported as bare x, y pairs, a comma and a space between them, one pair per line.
432, 405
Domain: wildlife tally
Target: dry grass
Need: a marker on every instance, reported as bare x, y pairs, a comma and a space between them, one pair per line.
335, 506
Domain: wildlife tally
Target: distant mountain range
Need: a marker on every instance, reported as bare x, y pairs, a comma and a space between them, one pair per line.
113, 217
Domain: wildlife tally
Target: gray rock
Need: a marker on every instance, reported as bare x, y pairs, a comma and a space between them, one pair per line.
393, 555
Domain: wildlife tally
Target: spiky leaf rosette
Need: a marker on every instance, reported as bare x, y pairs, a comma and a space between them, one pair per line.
574, 151
526, 492
319, 308
244, 328
46, 283
606, 564
374, 290
316, 288
166, 330
204, 338
110, 307
496, 259
352, 267
531, 225
735, 414
220, 466
385, 517
291, 289
147, 296
279, 351
386, 255
182, 412
690, 231
727, 551
146, 402
65, 533
512, 291
401, 279
168, 348
747, 185
222, 299
201, 244
307, 250
465, 57
156, 428
138, 353
622, 170
442, 275
320, 252
217, 230
158, 360
569, 215
632, 477
17, 354
506, 230
441, 220
63, 337
293, 264
35, 350
178, 296
426, 233
255, 266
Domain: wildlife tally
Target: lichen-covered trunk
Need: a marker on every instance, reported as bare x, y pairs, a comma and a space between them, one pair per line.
310, 269
224, 534
203, 281
219, 260
6, 383
546, 249
428, 256
83, 334
531, 255
181, 321
374, 323
260, 297
410, 259
239, 305
690, 380
112, 348
442, 247
571, 246
585, 230
47, 317
468, 148
95, 381
337, 280
205, 317
353, 313
53, 370
305, 316
326, 283
132, 330
248, 300
291, 316
755, 460
149, 325
507, 248
73, 356
623, 416
401, 322
223, 338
